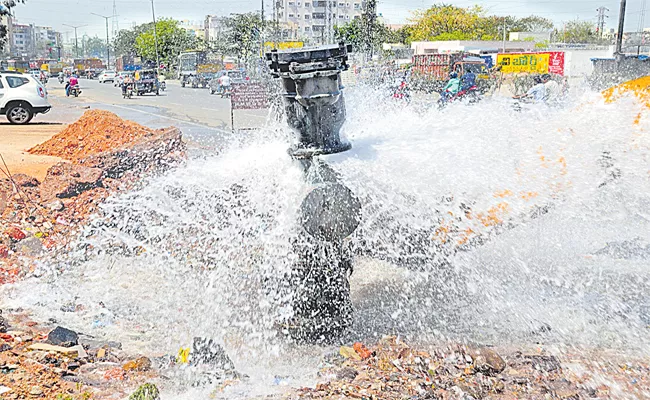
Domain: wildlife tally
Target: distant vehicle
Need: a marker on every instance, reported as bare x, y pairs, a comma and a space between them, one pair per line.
107, 76
21, 97
39, 75
431, 71
236, 76
194, 67
146, 81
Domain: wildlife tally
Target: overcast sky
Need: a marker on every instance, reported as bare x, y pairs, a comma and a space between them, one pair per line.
55, 13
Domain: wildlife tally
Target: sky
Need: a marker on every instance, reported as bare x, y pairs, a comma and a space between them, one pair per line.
56, 13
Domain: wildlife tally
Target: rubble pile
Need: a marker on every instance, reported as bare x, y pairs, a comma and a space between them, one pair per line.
393, 370
37, 217
97, 131
44, 363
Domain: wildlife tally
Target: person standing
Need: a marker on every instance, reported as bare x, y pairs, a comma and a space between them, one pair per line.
553, 90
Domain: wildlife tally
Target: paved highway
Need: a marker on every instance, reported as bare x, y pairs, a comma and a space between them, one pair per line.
201, 116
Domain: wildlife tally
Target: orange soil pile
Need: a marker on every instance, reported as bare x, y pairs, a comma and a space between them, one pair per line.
95, 132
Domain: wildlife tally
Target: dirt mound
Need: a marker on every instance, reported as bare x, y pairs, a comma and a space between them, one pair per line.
95, 132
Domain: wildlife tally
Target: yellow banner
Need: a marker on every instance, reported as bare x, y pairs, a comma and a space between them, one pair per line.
523, 62
268, 46
207, 68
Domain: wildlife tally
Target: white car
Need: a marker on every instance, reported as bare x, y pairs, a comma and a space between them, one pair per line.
107, 76
21, 97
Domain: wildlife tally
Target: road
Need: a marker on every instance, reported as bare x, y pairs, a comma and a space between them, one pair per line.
202, 117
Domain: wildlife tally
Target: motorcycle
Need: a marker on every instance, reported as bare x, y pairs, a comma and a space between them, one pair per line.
128, 92
225, 91
61, 80
75, 91
402, 92
471, 95
163, 86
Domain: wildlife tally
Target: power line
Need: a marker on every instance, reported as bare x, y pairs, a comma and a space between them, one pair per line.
601, 20
116, 24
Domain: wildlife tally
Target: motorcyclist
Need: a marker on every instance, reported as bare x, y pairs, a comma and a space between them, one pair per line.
553, 90
224, 83
452, 88
128, 80
468, 81
537, 93
74, 81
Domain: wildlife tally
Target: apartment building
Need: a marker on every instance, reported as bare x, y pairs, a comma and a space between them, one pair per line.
315, 20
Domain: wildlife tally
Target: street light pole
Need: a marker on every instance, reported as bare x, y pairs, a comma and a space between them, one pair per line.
108, 44
621, 29
155, 35
76, 41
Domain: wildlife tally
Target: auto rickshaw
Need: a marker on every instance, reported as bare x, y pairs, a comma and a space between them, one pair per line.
146, 81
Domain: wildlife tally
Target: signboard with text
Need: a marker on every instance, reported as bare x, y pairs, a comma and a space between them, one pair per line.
540, 63
248, 96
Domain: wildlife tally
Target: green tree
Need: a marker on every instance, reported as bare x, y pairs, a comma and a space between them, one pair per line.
446, 22
124, 43
578, 32
243, 36
172, 40
94, 46
5, 9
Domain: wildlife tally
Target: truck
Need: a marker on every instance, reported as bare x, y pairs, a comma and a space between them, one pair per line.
196, 68
431, 71
128, 63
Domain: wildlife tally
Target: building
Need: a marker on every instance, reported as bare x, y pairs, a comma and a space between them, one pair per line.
536, 37
196, 28
33, 41
471, 46
213, 27
315, 20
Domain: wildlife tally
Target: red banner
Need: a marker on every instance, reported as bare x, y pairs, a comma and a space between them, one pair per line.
556, 62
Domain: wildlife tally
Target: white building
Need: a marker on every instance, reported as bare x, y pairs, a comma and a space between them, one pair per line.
196, 28
536, 37
316, 20
471, 46
213, 27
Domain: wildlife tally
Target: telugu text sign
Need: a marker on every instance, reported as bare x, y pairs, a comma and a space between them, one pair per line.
251, 96
523, 62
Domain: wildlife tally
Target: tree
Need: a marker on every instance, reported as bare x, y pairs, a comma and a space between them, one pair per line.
533, 24
172, 40
124, 43
578, 32
446, 22
94, 46
243, 36
5, 9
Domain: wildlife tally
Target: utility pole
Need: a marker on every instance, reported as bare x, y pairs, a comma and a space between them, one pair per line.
642, 18
504, 34
621, 29
116, 24
76, 40
108, 41
601, 20
155, 35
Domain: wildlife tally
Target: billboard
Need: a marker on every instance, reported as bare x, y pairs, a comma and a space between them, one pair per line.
540, 63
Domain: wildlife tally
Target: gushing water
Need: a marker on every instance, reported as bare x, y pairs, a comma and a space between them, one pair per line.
479, 223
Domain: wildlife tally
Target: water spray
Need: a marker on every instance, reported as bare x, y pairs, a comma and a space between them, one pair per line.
330, 212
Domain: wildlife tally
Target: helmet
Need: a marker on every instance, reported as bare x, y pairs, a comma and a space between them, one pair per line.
453, 75
537, 79
546, 77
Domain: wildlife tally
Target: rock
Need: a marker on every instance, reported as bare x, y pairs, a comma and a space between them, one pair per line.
146, 154
36, 391
3, 201
56, 205
487, 361
346, 373
208, 352
349, 352
4, 389
147, 391
16, 234
4, 251
31, 247
63, 337
65, 180
543, 363
139, 364
23, 180
101, 353
68, 351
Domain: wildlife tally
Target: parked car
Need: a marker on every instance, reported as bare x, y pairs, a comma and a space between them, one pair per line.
107, 76
21, 97
236, 76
